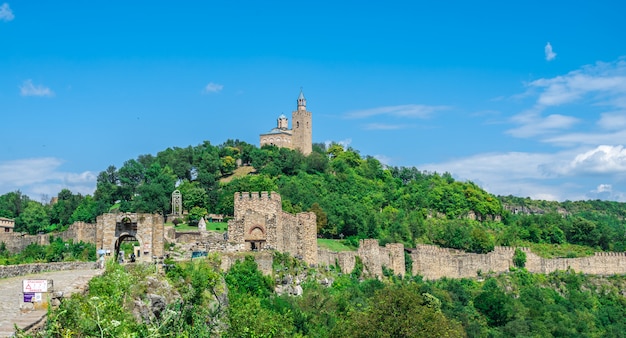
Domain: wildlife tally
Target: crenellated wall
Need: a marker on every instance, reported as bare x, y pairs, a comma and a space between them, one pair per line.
259, 223
372, 255
434, 262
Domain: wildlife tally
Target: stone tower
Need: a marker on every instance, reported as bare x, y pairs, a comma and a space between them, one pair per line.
302, 127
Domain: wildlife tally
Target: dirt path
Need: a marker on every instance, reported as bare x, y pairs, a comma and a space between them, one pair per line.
68, 282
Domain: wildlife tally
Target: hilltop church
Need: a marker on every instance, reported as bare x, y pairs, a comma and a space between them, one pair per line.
299, 137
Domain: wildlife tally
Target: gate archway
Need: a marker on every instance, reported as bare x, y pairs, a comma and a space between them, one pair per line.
146, 229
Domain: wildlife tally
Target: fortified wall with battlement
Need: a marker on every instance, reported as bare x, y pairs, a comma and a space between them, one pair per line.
434, 262
372, 255
260, 214
259, 223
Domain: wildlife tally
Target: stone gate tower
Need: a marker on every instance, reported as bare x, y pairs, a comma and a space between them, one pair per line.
302, 125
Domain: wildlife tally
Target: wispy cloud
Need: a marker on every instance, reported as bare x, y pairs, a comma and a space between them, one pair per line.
408, 110
212, 88
590, 87
550, 54
603, 83
549, 176
384, 126
41, 176
29, 89
533, 124
6, 14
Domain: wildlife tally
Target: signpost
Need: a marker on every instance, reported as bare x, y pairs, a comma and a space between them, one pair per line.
35, 285
33, 290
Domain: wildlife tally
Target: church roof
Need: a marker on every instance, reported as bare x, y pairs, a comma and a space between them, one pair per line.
277, 131
301, 96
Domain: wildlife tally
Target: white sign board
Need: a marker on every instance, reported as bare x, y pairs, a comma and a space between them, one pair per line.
35, 285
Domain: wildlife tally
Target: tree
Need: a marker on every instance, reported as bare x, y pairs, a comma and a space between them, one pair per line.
401, 311
34, 219
12, 204
107, 189
65, 206
131, 175
320, 215
494, 304
86, 211
154, 195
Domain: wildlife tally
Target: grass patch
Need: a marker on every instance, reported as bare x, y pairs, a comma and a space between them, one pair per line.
333, 245
215, 226
239, 172
559, 250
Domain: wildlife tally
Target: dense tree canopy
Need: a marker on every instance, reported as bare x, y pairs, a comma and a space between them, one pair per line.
353, 197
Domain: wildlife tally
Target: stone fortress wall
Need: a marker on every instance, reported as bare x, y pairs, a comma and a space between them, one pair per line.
259, 223
431, 262
434, 262
79, 231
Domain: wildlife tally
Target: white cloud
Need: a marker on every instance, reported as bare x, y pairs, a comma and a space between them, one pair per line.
515, 173
590, 87
212, 88
344, 143
613, 120
533, 124
28, 89
603, 159
6, 14
550, 55
604, 83
407, 110
41, 176
604, 188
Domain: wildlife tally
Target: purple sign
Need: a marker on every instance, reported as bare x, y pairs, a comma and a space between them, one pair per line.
28, 297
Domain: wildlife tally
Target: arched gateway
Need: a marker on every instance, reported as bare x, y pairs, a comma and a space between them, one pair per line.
147, 229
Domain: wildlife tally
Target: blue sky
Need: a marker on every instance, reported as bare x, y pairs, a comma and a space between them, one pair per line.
523, 98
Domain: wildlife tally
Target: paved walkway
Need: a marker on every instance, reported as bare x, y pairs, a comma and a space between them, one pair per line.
11, 297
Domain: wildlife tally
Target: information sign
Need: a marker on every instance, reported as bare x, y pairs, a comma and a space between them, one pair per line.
28, 297
35, 285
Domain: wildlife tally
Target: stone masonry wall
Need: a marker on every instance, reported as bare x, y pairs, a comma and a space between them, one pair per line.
434, 262
79, 231
7, 271
259, 220
16, 241
369, 252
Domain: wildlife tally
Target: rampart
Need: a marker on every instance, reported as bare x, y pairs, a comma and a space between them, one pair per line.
434, 262
373, 256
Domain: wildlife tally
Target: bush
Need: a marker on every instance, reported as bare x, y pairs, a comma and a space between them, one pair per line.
519, 258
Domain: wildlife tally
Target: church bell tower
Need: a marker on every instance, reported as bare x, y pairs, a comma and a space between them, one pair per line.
302, 126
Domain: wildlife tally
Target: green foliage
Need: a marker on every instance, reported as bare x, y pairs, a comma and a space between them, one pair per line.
195, 214
400, 311
519, 258
244, 277
57, 251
